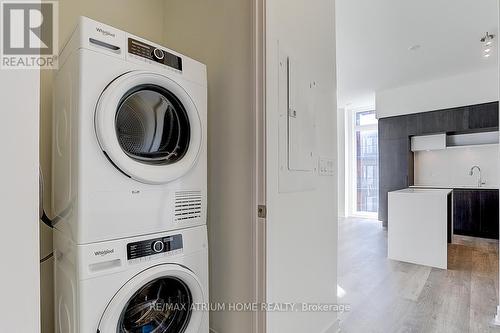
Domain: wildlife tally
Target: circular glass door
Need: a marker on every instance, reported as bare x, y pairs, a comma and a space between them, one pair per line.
160, 299
152, 126
161, 306
149, 127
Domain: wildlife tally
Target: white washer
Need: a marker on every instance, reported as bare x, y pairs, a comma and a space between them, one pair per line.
130, 136
156, 283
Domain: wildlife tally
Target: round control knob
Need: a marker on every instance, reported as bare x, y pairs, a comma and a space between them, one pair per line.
158, 246
158, 54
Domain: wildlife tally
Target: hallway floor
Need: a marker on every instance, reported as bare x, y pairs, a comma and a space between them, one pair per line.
388, 296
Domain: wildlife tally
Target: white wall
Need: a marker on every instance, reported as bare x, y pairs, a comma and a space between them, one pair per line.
450, 167
143, 18
302, 226
19, 239
219, 34
460, 90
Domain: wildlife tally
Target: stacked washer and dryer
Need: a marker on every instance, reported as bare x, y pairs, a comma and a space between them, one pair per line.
129, 170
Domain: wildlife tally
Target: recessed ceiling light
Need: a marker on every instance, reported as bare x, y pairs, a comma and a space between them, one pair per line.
414, 47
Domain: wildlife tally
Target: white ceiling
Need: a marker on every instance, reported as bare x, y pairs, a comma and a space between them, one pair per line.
374, 37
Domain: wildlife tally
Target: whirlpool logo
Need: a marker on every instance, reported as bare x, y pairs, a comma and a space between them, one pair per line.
103, 253
105, 32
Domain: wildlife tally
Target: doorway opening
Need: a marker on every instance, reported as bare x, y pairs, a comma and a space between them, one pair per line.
364, 202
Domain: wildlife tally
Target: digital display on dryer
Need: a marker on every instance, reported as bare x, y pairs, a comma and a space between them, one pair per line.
154, 246
155, 54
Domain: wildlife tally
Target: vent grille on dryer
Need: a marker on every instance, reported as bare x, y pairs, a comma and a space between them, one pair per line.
187, 206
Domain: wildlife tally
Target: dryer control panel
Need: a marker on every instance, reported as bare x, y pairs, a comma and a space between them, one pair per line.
153, 53
154, 246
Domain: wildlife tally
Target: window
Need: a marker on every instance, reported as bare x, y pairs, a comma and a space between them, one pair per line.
365, 156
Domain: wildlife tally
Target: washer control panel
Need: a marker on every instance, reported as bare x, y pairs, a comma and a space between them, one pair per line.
153, 53
154, 246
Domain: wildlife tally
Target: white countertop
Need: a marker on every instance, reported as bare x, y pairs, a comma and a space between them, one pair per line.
466, 187
417, 190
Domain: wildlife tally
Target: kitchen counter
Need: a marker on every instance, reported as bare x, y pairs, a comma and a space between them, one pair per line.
465, 187
475, 209
424, 190
419, 226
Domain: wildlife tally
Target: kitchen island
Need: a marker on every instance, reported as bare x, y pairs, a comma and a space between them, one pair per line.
475, 209
420, 226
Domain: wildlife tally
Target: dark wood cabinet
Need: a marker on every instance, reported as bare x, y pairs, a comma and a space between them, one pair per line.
483, 116
393, 169
489, 214
396, 158
457, 120
432, 122
475, 213
393, 128
466, 212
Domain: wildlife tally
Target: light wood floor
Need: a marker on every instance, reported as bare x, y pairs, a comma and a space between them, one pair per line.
388, 296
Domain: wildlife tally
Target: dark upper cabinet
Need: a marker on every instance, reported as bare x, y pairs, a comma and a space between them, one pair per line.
466, 212
489, 203
392, 128
412, 124
457, 120
452, 120
432, 122
395, 156
384, 128
483, 116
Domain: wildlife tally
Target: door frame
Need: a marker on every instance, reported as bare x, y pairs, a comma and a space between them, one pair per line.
496, 320
259, 167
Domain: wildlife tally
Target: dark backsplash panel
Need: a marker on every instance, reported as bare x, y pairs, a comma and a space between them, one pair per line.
395, 155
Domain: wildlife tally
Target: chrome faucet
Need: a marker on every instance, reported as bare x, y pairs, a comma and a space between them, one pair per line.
480, 181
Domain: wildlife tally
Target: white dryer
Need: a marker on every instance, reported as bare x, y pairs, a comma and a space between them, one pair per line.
149, 284
129, 137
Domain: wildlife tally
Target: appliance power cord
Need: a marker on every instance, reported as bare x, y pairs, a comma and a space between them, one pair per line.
43, 215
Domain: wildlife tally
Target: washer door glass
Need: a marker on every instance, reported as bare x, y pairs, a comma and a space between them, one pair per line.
161, 306
152, 125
